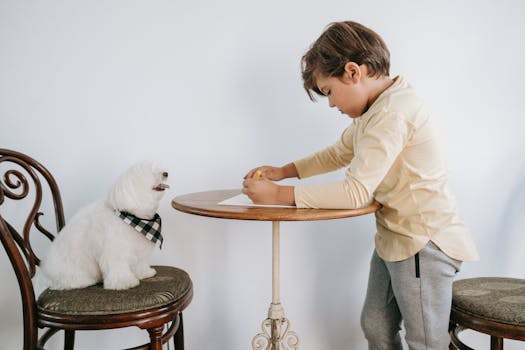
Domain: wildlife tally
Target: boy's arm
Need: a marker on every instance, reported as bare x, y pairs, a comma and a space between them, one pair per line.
331, 158
379, 146
289, 171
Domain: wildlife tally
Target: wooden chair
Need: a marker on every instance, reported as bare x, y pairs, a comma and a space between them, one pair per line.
153, 305
491, 305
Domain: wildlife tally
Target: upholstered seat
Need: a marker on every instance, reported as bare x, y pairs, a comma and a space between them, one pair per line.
495, 299
492, 305
166, 287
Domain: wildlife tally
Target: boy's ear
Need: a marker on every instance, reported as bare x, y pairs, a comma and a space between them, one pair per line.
352, 72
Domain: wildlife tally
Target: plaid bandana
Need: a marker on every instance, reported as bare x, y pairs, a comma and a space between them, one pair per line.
149, 228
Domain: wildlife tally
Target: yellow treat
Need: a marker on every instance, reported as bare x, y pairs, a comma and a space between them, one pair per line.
257, 175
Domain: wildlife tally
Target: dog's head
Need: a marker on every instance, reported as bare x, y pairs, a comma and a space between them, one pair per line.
139, 190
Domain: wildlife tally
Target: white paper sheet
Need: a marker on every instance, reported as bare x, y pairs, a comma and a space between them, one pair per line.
244, 200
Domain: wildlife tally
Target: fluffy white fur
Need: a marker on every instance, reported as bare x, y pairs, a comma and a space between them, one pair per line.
96, 245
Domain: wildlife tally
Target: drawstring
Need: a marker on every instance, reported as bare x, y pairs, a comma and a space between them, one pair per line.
416, 258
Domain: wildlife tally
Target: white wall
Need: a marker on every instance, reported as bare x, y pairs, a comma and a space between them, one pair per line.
213, 89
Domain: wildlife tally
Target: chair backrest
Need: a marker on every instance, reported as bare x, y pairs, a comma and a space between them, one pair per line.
20, 176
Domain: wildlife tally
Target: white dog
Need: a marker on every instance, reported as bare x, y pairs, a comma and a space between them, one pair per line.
104, 242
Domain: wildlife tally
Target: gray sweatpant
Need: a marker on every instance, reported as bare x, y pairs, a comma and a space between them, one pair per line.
417, 291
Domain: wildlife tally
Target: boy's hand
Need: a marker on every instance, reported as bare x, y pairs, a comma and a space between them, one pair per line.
267, 172
260, 191
266, 192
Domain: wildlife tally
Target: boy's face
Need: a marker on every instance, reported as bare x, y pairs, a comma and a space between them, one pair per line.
346, 92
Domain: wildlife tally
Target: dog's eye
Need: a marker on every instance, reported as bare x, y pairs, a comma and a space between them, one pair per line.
165, 174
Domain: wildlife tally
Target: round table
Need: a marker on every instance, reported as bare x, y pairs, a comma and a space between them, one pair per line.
276, 333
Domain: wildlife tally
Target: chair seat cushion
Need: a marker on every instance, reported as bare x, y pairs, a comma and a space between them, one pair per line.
491, 298
167, 286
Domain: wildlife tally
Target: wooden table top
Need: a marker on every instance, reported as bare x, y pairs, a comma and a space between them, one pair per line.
205, 204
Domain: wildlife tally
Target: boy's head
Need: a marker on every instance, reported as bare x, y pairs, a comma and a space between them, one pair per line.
340, 43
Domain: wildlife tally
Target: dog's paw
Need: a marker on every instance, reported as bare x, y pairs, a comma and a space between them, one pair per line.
145, 272
121, 283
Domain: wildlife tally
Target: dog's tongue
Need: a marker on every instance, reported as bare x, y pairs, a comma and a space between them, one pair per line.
161, 187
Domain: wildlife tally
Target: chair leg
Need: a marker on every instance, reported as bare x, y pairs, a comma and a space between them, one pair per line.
178, 338
69, 339
496, 343
155, 336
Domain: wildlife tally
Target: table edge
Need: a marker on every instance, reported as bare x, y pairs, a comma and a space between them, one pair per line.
284, 214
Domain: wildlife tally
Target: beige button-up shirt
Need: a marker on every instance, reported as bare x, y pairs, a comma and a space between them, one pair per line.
392, 156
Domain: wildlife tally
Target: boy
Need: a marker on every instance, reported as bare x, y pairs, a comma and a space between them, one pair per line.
391, 155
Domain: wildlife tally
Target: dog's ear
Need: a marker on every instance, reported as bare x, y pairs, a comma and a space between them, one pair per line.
122, 196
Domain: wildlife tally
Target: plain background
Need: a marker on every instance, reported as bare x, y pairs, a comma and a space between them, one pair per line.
212, 89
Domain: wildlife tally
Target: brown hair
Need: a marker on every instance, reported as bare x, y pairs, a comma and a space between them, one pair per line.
340, 43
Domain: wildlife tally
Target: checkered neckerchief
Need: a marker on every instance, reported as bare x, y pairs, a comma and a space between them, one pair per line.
149, 228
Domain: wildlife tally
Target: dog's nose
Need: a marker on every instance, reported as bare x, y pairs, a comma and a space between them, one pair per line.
165, 174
